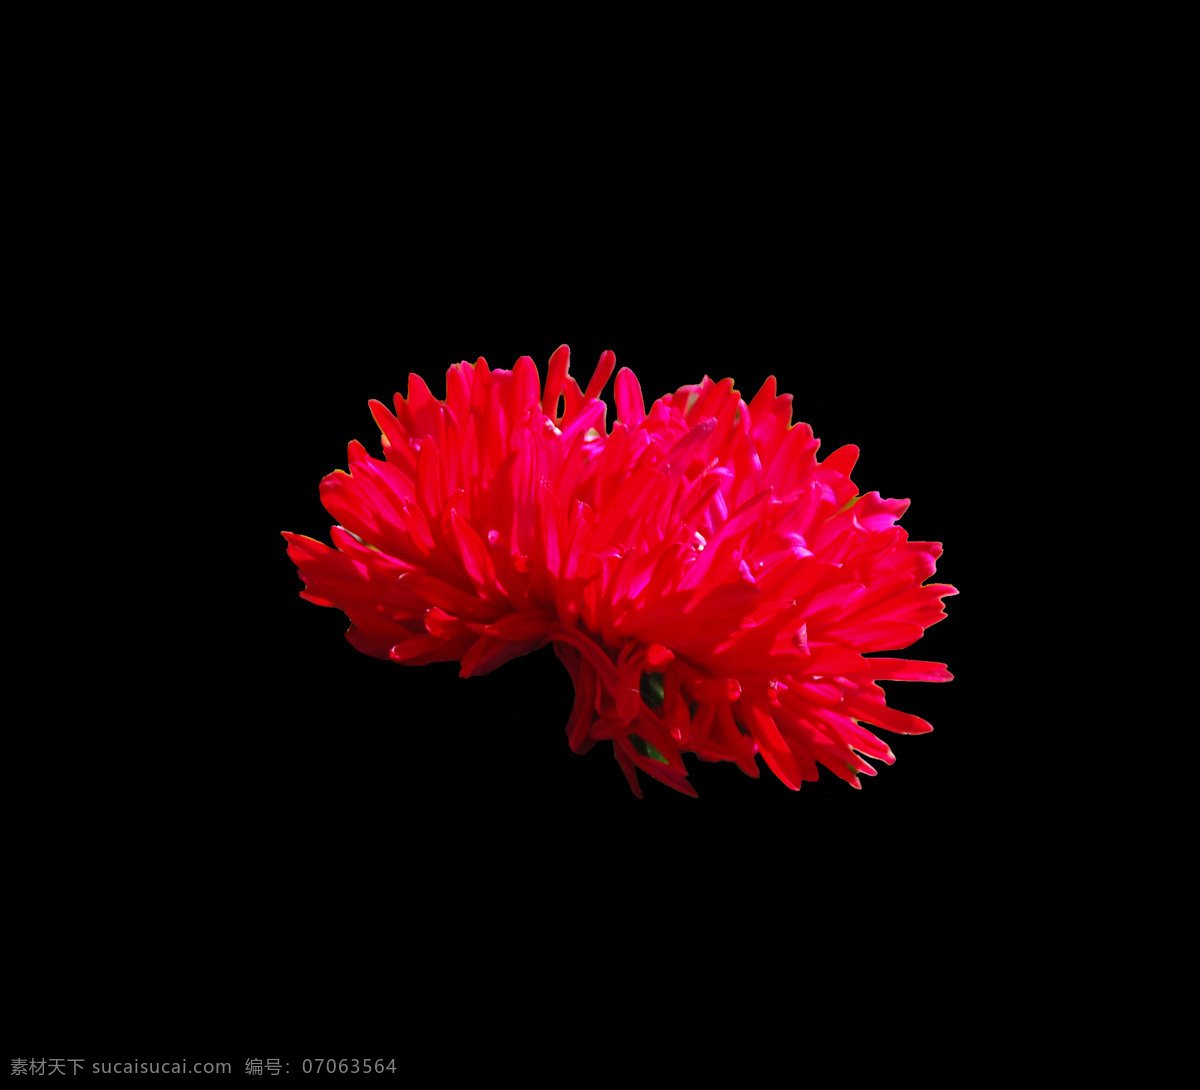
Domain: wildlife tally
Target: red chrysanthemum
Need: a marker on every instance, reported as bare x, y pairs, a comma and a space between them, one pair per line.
708, 583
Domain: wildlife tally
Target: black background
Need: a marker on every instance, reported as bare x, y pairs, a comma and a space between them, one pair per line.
252, 731
242, 783
223, 820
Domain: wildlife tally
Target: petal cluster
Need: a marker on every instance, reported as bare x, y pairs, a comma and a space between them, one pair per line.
708, 583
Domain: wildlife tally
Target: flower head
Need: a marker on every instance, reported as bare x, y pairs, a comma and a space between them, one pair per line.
710, 586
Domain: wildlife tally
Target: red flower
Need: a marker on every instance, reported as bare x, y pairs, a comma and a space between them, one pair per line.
708, 583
